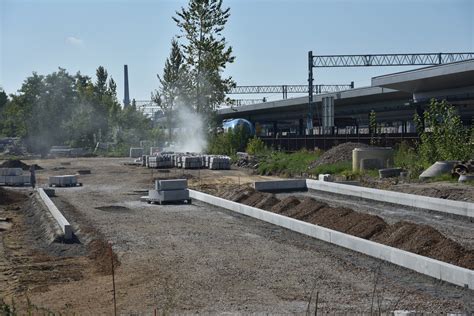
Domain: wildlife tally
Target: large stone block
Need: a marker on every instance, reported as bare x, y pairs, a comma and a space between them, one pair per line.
175, 184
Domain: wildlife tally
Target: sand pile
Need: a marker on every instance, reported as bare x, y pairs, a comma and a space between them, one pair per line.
15, 163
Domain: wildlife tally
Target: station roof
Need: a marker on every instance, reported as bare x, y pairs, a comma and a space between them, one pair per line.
439, 77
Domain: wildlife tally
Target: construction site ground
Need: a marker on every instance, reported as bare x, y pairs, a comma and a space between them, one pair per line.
194, 258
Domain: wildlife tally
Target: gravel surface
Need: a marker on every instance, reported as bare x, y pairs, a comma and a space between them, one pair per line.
201, 259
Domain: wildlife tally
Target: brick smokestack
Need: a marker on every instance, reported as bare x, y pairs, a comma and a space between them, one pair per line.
126, 97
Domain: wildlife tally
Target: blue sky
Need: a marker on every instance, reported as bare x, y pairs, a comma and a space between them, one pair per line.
270, 38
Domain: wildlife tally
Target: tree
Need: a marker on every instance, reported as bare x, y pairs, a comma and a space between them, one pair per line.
174, 85
442, 134
206, 51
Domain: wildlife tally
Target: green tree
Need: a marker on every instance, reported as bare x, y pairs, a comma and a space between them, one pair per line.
443, 137
206, 51
174, 85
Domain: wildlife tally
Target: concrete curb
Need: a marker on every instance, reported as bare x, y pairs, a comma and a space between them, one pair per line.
280, 185
433, 268
57, 215
440, 205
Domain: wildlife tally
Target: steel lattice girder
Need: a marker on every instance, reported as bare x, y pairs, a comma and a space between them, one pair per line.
290, 89
389, 59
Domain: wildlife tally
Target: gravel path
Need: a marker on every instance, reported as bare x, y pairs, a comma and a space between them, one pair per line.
201, 259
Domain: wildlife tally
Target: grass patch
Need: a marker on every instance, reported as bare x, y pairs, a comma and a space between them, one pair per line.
287, 164
336, 168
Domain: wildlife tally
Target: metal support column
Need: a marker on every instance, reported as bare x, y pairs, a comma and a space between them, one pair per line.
309, 120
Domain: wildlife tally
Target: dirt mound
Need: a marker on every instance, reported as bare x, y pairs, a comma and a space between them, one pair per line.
254, 198
306, 208
342, 152
15, 163
426, 241
267, 202
285, 205
8, 197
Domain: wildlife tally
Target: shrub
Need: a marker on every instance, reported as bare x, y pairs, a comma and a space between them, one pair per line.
256, 146
442, 134
229, 143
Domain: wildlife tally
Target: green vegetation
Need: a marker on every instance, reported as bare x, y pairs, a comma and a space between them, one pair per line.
229, 143
442, 134
287, 164
64, 109
256, 146
336, 168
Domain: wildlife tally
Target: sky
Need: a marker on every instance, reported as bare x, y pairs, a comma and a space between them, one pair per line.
270, 38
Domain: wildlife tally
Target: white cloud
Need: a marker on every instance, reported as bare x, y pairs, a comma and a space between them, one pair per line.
74, 41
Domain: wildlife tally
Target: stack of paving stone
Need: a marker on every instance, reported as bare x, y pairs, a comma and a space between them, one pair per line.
191, 162
219, 163
160, 161
13, 176
63, 181
169, 191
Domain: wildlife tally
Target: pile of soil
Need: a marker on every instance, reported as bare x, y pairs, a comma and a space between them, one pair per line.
426, 241
15, 163
420, 239
342, 152
8, 197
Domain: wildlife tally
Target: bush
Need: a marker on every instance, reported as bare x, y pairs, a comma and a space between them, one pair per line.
407, 158
229, 143
287, 164
256, 146
442, 134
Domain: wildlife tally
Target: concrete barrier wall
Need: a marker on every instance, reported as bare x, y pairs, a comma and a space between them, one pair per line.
60, 219
434, 268
280, 185
412, 200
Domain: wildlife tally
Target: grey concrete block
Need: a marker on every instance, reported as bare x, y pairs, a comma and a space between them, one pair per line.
65, 180
168, 196
370, 164
389, 172
11, 171
280, 185
175, 184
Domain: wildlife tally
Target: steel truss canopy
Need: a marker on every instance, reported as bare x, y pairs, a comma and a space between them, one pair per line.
322, 88
423, 59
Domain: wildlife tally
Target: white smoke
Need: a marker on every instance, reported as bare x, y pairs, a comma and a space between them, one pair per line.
190, 133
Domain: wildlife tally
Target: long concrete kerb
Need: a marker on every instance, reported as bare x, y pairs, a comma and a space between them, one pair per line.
57, 215
458, 208
424, 265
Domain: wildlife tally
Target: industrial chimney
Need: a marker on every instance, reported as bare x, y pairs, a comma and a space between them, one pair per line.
126, 97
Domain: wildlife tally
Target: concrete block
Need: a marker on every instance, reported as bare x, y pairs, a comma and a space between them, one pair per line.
325, 177
175, 184
2, 179
57, 215
65, 180
11, 171
370, 164
383, 154
280, 185
168, 196
389, 172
